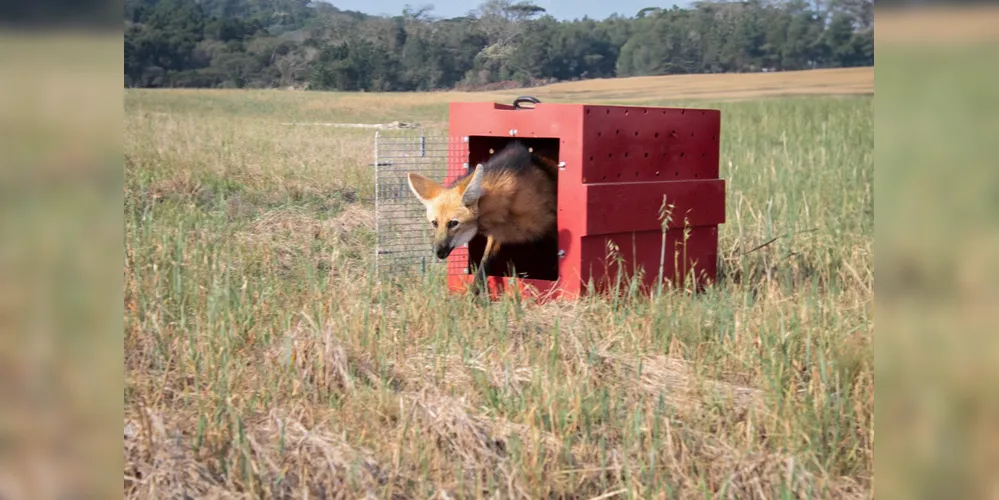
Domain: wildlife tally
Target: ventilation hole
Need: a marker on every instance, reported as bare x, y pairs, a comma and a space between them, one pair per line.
626, 155
646, 155
636, 174
692, 134
618, 176
645, 111
599, 134
608, 111
676, 174
704, 155
714, 138
657, 173
696, 175
657, 134
703, 113
609, 155
664, 111
591, 158
626, 112
681, 155
683, 111
587, 111
636, 133
617, 132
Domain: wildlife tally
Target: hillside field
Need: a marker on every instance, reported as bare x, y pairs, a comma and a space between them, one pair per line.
263, 360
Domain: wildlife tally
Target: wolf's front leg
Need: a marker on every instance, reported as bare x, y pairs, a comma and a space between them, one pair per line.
479, 283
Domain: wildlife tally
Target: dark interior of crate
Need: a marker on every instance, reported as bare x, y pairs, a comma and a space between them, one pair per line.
537, 260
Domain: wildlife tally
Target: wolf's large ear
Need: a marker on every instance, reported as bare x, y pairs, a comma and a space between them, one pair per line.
473, 190
424, 188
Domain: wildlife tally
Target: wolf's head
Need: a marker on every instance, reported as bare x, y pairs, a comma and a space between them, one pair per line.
452, 211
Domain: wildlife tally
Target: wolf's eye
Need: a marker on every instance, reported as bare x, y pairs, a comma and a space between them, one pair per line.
452, 224
434, 223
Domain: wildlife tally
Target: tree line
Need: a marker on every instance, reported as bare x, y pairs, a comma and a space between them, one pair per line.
502, 43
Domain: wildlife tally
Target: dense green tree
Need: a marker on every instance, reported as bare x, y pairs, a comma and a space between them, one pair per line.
268, 43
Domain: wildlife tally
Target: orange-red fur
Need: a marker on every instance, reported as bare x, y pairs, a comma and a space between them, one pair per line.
509, 199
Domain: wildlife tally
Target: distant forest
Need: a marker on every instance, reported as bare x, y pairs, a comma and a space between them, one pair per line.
500, 44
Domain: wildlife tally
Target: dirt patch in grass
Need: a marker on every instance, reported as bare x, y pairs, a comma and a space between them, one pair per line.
295, 226
291, 233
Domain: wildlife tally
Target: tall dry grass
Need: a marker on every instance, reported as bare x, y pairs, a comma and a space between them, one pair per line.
263, 360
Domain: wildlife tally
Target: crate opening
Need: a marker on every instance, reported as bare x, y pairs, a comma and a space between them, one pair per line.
538, 260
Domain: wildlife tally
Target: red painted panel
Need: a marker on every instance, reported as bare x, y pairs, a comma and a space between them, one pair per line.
624, 143
545, 120
615, 208
643, 250
457, 262
488, 125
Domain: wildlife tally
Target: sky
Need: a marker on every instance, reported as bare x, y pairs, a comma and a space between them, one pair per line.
560, 9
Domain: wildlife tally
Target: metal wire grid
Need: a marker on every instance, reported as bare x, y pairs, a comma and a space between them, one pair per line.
404, 236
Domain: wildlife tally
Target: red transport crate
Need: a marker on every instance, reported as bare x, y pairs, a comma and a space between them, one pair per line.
616, 165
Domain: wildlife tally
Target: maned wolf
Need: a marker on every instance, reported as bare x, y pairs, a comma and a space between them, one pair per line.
510, 199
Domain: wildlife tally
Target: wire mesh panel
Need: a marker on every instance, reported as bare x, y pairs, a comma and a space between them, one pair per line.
404, 236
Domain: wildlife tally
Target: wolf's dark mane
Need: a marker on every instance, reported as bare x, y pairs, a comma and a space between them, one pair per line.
514, 157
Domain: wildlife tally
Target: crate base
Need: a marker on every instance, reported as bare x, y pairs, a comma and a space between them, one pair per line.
536, 290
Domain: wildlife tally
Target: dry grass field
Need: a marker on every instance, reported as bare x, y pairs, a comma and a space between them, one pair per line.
263, 360
840, 81
431, 108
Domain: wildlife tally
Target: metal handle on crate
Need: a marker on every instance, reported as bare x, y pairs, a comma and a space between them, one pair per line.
524, 98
